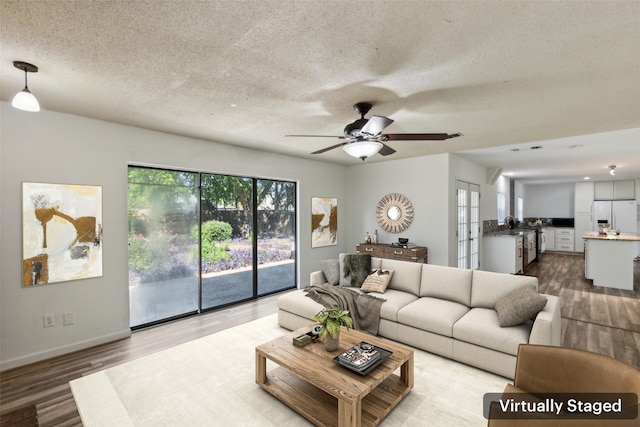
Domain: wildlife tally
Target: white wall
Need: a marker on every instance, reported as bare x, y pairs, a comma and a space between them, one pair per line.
549, 200
60, 148
423, 180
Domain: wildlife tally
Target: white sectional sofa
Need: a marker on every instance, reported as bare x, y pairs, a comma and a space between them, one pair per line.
447, 311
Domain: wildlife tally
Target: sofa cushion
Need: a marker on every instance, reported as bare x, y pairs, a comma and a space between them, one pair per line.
406, 276
518, 306
345, 261
450, 283
488, 287
377, 281
433, 315
299, 303
331, 270
395, 300
480, 327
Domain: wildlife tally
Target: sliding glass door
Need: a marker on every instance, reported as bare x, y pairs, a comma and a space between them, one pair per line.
227, 240
200, 241
276, 228
163, 267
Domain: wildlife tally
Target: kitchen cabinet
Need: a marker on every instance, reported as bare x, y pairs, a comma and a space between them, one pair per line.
614, 190
603, 190
583, 223
542, 240
531, 249
583, 212
583, 197
609, 259
550, 238
624, 190
415, 254
565, 239
502, 254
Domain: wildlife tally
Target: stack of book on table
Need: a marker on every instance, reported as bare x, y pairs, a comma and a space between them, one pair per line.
359, 357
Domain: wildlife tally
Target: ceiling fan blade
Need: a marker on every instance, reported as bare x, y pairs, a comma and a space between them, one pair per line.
324, 150
375, 125
316, 136
420, 136
386, 150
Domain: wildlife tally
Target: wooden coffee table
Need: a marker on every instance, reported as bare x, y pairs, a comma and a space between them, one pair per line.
327, 394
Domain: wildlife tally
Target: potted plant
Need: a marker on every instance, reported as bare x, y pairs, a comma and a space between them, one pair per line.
330, 320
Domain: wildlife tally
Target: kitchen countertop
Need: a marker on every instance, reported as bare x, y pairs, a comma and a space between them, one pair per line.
626, 237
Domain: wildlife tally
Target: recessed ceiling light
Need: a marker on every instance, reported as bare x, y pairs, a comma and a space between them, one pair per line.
536, 147
586, 178
515, 149
576, 146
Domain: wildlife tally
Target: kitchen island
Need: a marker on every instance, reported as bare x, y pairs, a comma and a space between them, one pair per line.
609, 259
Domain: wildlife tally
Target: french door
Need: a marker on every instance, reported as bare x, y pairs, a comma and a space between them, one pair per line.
468, 225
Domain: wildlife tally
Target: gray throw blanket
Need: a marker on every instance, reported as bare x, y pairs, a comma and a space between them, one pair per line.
364, 309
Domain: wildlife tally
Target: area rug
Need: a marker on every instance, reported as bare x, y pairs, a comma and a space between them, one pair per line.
211, 382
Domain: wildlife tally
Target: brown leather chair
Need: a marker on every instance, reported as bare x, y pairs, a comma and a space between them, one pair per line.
544, 369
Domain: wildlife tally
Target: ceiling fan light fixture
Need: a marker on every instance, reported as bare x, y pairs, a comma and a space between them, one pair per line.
362, 149
24, 100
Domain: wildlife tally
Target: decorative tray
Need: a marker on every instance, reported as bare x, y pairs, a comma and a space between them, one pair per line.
365, 368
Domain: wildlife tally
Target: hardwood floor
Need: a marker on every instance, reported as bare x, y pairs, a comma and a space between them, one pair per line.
598, 319
39, 394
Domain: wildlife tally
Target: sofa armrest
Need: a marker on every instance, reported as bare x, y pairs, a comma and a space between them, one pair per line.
317, 278
547, 324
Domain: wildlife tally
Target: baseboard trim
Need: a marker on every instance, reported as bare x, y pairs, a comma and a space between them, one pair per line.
59, 351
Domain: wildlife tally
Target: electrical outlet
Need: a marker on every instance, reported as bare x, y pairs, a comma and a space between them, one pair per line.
49, 320
68, 319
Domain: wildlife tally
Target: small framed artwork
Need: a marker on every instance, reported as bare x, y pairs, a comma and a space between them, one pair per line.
61, 233
324, 221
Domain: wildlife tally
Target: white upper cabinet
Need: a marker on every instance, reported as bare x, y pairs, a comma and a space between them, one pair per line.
583, 197
603, 190
624, 190
615, 190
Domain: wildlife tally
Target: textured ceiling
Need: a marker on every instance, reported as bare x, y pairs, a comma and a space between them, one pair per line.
247, 73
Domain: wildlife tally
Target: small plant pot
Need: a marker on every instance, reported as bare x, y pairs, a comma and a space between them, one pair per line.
331, 343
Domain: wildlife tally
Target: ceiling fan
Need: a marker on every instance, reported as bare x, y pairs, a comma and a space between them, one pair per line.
364, 138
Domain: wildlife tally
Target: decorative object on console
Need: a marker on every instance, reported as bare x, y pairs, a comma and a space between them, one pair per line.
331, 319
324, 221
394, 213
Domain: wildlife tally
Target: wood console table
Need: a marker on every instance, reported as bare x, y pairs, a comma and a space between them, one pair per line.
415, 254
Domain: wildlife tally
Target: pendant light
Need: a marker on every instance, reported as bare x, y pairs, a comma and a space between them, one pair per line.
24, 100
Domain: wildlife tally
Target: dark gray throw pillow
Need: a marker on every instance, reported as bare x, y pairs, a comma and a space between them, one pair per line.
519, 306
331, 270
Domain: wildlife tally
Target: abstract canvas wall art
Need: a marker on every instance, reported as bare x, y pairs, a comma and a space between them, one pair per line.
61, 233
324, 221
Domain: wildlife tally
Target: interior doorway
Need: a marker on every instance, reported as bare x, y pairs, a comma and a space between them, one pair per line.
468, 225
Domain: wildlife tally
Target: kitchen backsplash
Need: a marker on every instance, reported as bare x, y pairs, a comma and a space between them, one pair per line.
492, 226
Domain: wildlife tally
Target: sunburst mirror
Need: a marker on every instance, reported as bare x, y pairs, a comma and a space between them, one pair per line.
394, 213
